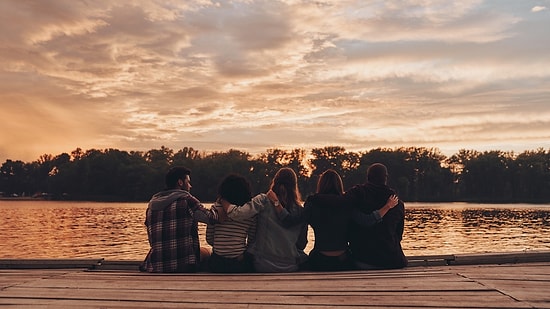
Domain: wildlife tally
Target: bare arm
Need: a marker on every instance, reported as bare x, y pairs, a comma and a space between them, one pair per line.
390, 203
375, 216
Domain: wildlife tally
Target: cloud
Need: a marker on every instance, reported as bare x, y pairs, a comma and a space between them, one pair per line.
136, 75
538, 8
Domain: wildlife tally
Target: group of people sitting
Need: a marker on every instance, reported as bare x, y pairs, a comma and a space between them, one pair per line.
360, 228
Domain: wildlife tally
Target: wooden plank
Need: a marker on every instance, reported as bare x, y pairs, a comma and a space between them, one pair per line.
414, 272
505, 270
521, 289
529, 283
460, 286
69, 304
414, 261
48, 263
431, 257
501, 258
23, 303
430, 260
485, 299
423, 260
308, 286
118, 265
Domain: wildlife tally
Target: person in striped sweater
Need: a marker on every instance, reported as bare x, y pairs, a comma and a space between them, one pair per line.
230, 239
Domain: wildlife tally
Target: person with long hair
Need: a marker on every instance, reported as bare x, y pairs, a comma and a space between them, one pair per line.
330, 217
276, 248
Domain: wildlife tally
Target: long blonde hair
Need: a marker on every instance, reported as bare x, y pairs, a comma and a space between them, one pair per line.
285, 185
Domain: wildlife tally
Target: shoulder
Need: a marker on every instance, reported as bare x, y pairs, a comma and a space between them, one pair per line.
356, 190
324, 198
294, 208
189, 199
260, 200
260, 197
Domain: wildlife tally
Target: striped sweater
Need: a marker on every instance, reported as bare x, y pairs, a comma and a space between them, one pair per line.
231, 238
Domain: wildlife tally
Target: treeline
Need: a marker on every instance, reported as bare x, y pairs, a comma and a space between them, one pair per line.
418, 174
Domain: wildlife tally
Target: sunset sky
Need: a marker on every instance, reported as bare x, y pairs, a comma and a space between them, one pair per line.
253, 75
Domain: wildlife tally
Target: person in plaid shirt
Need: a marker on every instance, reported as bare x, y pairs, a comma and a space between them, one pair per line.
171, 219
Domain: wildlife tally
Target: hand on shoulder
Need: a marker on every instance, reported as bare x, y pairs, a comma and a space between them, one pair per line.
393, 200
275, 200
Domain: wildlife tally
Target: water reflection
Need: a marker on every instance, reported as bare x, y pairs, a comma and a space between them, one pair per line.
73, 231
38, 229
447, 231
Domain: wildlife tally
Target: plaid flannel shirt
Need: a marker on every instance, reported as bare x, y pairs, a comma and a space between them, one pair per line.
173, 235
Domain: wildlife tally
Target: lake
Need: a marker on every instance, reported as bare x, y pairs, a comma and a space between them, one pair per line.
116, 231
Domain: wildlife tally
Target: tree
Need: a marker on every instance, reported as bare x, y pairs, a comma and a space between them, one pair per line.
15, 178
265, 166
434, 182
531, 176
417, 173
211, 169
487, 177
401, 171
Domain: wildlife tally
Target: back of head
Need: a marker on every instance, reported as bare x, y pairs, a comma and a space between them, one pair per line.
235, 189
174, 174
330, 183
285, 185
377, 174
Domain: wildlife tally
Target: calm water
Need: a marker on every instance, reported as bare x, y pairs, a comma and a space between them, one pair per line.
47, 229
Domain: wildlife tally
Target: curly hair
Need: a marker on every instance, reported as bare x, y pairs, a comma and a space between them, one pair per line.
235, 189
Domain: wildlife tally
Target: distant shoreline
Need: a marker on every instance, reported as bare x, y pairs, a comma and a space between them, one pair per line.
26, 198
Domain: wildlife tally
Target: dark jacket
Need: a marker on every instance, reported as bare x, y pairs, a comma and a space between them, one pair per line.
378, 245
330, 216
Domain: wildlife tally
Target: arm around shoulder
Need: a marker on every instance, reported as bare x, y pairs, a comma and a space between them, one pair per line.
392, 201
375, 216
248, 210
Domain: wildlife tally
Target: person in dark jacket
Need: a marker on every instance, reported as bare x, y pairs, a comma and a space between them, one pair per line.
377, 246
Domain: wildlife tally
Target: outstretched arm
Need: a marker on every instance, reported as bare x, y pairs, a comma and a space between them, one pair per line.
200, 213
375, 216
248, 210
286, 218
205, 215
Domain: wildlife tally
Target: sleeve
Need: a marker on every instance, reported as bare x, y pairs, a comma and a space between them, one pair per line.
394, 222
391, 233
248, 210
251, 233
364, 219
210, 230
288, 219
301, 243
201, 213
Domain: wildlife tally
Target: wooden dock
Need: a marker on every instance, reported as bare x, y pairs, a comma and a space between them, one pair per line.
499, 281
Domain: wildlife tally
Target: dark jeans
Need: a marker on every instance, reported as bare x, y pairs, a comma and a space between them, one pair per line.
220, 264
320, 262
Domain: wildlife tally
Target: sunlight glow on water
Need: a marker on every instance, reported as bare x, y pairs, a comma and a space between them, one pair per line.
115, 231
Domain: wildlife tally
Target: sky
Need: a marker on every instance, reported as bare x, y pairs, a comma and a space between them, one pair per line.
136, 75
